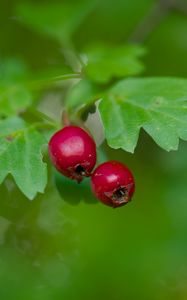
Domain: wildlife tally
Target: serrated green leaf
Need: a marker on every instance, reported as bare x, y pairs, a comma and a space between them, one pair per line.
21, 157
11, 125
108, 62
159, 105
8, 127
57, 20
14, 99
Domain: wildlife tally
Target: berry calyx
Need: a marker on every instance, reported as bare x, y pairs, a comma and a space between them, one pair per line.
113, 183
73, 152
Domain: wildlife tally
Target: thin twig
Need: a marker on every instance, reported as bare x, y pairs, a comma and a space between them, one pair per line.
65, 118
50, 81
149, 23
155, 16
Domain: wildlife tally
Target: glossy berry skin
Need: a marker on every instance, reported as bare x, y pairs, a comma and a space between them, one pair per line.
73, 152
113, 183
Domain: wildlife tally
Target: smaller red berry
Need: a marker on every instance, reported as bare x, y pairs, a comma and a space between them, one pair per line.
73, 152
113, 183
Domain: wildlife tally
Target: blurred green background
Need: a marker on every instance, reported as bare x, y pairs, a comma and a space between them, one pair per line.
64, 244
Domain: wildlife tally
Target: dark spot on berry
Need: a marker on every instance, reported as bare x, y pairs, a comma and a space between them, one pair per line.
65, 147
120, 195
113, 183
80, 170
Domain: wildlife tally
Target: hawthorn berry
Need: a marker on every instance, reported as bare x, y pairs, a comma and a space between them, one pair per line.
73, 152
113, 183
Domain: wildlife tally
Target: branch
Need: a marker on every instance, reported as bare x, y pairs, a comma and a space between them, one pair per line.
150, 22
155, 16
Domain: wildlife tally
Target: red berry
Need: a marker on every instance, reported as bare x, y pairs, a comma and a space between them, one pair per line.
113, 183
73, 152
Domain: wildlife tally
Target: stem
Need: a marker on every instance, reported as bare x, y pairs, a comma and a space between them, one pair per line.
158, 12
40, 115
149, 23
50, 81
71, 57
39, 125
65, 118
42, 125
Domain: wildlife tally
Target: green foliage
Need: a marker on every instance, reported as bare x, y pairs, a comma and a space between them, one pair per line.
156, 104
10, 125
13, 100
7, 128
57, 246
20, 156
14, 94
57, 20
107, 62
80, 95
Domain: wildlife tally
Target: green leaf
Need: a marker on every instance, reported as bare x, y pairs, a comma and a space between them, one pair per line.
20, 156
159, 105
80, 95
11, 125
106, 63
14, 96
8, 127
14, 99
57, 20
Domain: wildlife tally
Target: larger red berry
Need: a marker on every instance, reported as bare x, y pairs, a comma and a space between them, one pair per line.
113, 183
73, 152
